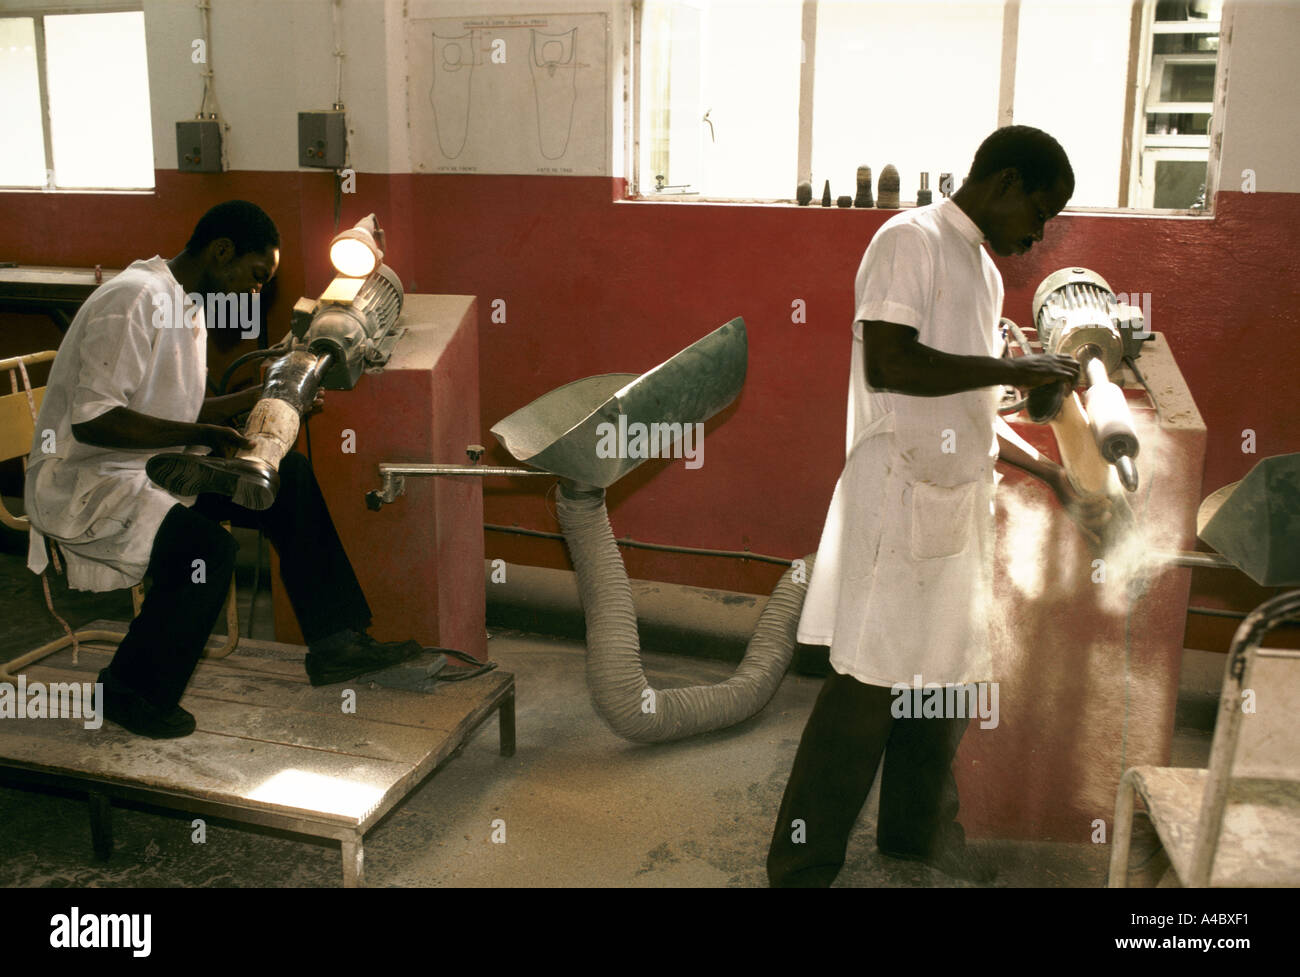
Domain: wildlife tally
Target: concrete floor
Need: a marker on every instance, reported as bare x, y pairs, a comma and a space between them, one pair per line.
581, 806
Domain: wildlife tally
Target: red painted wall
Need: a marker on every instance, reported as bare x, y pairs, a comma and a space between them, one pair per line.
593, 284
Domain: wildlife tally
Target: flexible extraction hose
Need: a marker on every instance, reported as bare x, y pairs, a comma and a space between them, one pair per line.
619, 690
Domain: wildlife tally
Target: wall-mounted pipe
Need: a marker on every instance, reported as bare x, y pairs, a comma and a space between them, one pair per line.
615, 676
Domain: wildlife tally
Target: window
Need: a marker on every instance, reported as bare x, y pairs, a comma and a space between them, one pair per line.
74, 102
912, 85
746, 98
722, 90
1180, 50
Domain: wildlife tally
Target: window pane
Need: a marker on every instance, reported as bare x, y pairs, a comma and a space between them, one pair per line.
1187, 83
750, 93
720, 104
672, 43
1185, 43
22, 164
912, 84
99, 100
1182, 10
1178, 124
1180, 184
1071, 69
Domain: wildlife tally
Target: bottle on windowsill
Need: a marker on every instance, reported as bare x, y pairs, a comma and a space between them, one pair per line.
923, 196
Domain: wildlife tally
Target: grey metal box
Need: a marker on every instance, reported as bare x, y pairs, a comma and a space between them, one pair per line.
322, 139
198, 146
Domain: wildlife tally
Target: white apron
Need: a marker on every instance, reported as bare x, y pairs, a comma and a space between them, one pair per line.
902, 583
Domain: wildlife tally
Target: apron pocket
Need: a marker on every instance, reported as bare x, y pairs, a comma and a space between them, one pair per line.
941, 519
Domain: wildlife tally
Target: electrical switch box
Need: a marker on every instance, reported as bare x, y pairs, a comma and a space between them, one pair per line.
322, 139
198, 146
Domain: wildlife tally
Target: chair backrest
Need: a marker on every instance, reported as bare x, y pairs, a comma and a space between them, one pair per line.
1256, 736
17, 426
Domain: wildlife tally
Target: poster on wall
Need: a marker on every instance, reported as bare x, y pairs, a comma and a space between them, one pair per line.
509, 94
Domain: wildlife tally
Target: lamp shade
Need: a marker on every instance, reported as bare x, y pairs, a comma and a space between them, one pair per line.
354, 252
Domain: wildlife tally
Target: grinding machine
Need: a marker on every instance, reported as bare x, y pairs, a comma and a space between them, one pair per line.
332, 339
1076, 314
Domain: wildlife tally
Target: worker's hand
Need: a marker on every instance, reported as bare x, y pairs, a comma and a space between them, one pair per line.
1041, 368
225, 442
1090, 513
316, 405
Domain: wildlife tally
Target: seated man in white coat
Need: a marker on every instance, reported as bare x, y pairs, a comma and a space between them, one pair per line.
130, 381
902, 582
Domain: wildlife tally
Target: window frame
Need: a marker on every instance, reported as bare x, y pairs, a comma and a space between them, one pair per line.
37, 15
1136, 145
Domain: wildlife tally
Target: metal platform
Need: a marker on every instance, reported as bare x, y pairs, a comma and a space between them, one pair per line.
270, 749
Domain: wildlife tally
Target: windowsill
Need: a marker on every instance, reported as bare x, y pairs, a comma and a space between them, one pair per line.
98, 191
687, 198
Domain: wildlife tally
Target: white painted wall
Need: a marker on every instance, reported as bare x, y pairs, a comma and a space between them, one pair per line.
272, 59
1261, 125
616, 13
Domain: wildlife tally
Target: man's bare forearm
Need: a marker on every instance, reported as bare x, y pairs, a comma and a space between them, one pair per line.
897, 362
928, 372
219, 410
124, 428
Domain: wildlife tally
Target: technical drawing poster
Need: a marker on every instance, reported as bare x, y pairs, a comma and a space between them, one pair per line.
509, 94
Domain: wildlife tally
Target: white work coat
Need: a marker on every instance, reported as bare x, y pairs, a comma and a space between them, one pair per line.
125, 348
902, 582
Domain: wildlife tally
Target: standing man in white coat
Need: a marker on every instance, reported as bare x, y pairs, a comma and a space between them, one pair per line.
902, 582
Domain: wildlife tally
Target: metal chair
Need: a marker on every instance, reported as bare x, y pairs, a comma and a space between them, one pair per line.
1236, 823
18, 419
18, 411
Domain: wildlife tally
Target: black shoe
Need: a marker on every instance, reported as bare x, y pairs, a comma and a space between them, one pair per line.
957, 861
361, 655
251, 483
128, 708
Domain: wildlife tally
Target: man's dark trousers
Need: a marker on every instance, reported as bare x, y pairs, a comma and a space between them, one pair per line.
850, 727
166, 639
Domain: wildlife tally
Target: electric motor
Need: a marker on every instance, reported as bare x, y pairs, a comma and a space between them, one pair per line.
1075, 308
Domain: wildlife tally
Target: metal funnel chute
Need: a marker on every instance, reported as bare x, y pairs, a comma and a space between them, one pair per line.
1255, 522
560, 432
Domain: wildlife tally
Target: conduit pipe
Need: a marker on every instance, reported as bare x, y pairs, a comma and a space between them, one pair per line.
615, 676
